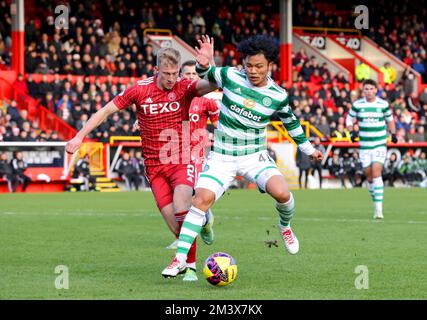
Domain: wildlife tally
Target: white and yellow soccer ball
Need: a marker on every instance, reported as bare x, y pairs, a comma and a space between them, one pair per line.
220, 269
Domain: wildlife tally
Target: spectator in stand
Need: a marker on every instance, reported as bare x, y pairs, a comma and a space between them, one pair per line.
389, 73
391, 170
315, 77
304, 165
19, 166
128, 172
412, 103
21, 84
14, 113
336, 168
419, 66
138, 162
317, 166
82, 170
323, 126
6, 172
306, 70
340, 78
362, 72
356, 170
418, 135
341, 133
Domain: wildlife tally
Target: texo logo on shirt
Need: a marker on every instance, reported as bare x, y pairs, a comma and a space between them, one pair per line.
158, 108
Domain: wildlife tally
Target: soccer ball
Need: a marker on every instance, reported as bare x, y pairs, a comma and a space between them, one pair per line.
220, 269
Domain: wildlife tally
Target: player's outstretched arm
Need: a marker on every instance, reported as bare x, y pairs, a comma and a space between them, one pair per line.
203, 87
205, 54
95, 120
293, 126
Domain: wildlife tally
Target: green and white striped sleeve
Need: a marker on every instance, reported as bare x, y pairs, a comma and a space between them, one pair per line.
352, 114
294, 128
213, 74
388, 115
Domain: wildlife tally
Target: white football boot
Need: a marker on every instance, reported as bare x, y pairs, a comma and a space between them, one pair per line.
378, 214
174, 269
289, 238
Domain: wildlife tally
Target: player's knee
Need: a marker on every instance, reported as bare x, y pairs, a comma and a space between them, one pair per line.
282, 196
203, 200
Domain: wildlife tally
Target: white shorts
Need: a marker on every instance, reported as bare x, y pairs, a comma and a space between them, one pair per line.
220, 171
369, 156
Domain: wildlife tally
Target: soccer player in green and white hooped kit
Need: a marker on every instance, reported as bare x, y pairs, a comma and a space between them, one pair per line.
250, 98
372, 113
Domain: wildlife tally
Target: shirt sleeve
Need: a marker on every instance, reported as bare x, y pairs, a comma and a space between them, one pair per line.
213, 74
190, 92
190, 87
212, 110
387, 113
294, 128
127, 97
352, 114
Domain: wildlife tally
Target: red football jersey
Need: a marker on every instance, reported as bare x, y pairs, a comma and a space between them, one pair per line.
201, 110
160, 116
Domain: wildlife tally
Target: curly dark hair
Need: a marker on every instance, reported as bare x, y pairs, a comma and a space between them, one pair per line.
371, 82
259, 44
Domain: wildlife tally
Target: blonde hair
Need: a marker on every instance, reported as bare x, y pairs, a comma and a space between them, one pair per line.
168, 56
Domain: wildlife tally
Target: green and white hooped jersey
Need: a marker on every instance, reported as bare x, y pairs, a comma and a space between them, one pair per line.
372, 117
245, 112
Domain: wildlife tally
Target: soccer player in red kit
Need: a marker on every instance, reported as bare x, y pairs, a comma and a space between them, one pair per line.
202, 109
163, 103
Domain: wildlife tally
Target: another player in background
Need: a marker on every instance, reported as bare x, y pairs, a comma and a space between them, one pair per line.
250, 98
163, 104
202, 109
373, 114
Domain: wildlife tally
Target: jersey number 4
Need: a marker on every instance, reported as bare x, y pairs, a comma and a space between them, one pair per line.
265, 157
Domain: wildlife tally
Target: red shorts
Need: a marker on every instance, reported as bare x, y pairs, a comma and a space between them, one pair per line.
163, 180
199, 163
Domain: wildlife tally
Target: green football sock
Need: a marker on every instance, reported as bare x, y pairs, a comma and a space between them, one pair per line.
189, 231
286, 211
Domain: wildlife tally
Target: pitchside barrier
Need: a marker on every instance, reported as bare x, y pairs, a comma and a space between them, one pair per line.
47, 165
50, 167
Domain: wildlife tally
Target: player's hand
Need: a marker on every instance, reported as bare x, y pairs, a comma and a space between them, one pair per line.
135, 126
393, 138
316, 156
205, 52
73, 145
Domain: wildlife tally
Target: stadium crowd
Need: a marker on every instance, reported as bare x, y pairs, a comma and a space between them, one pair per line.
399, 27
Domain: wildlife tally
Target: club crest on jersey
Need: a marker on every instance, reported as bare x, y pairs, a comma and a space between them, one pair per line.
172, 96
249, 103
267, 101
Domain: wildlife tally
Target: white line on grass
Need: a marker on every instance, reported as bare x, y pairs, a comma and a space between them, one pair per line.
225, 217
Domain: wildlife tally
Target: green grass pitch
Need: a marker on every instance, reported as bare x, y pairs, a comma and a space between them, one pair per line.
114, 247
